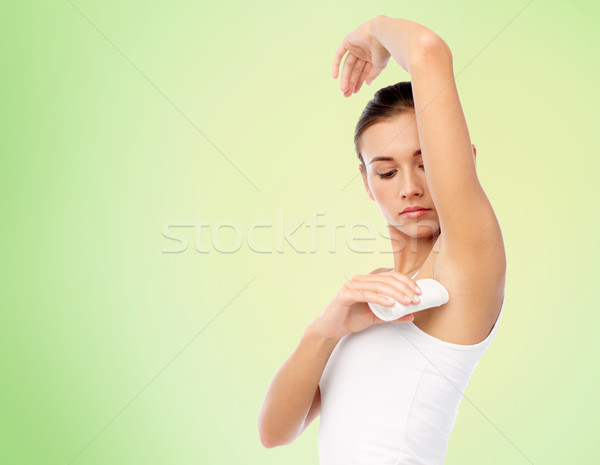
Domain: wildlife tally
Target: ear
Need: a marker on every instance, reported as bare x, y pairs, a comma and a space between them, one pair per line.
365, 182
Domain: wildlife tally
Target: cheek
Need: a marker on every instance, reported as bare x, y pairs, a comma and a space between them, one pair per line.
382, 190
385, 200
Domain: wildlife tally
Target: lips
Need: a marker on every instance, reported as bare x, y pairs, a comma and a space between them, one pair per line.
414, 212
414, 209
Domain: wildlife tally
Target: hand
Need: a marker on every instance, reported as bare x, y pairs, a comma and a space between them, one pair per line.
349, 312
365, 60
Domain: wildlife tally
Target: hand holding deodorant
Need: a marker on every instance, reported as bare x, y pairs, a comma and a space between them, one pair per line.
433, 294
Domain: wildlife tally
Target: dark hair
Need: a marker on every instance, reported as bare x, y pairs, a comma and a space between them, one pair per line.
388, 102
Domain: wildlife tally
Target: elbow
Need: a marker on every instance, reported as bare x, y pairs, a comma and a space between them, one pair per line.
429, 44
265, 442
267, 439
273, 433
429, 41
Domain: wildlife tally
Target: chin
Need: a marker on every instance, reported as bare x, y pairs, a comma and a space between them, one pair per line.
422, 229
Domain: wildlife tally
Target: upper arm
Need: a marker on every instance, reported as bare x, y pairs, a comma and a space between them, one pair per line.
468, 223
315, 409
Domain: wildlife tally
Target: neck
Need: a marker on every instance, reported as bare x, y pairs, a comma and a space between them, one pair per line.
410, 252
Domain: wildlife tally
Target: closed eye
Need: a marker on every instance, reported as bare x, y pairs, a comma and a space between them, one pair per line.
390, 174
387, 175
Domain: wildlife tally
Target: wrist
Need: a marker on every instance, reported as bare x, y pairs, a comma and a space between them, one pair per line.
318, 331
400, 37
375, 26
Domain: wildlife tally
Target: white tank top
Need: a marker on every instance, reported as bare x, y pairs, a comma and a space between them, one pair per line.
390, 395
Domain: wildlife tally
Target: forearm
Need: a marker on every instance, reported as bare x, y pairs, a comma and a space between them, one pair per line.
402, 38
291, 392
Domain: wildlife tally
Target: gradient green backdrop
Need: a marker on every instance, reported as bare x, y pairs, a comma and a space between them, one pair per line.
123, 119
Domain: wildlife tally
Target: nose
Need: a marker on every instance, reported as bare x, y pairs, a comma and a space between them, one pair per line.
411, 185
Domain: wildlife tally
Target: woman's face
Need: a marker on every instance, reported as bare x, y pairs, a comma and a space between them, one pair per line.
395, 176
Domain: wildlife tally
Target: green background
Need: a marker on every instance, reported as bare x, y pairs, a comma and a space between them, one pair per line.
123, 119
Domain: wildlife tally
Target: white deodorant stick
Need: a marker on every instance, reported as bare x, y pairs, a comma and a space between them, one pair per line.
433, 294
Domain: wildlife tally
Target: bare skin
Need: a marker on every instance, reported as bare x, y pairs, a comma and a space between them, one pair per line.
468, 258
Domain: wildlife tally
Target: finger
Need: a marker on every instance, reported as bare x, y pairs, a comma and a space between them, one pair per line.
404, 279
362, 77
366, 72
373, 73
358, 86
364, 295
335, 67
355, 81
400, 291
397, 290
363, 288
346, 71
393, 278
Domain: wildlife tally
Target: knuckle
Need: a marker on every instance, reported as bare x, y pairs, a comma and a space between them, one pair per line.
345, 294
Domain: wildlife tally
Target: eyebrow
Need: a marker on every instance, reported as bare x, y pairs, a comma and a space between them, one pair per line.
415, 154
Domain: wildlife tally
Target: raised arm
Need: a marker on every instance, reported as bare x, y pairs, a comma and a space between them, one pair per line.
470, 230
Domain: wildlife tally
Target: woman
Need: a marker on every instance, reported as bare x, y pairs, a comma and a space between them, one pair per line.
388, 392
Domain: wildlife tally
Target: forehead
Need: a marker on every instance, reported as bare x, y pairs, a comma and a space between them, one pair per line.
396, 138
